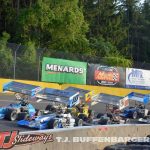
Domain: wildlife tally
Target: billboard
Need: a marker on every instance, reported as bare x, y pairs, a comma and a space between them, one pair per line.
63, 71
137, 78
105, 75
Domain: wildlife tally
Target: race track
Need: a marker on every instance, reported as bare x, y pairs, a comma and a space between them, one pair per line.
6, 125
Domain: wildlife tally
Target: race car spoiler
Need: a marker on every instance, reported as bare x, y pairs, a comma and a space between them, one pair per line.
143, 98
18, 87
62, 96
107, 99
86, 94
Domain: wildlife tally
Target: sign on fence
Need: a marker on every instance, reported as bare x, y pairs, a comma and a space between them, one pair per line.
63, 71
137, 78
105, 75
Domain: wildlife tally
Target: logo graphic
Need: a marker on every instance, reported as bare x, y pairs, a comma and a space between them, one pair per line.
106, 75
10, 139
124, 103
52, 68
135, 74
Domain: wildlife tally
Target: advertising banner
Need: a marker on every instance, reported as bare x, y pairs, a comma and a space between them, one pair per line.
63, 71
105, 75
137, 78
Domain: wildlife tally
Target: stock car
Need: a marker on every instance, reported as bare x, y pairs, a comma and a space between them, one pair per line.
135, 106
57, 113
19, 110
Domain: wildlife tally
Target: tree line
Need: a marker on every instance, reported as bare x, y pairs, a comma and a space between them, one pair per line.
115, 32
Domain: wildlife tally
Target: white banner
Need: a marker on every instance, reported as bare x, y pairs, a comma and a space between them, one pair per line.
137, 78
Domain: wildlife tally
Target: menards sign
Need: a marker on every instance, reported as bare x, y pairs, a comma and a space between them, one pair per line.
67, 69
63, 71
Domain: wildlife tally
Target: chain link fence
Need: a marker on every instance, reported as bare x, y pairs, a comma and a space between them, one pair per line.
25, 71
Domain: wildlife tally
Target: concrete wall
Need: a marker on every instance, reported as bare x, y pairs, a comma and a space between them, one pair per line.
99, 131
95, 89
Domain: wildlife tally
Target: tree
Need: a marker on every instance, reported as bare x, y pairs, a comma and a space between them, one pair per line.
27, 67
105, 19
58, 25
6, 58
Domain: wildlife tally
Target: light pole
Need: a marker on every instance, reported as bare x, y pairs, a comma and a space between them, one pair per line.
15, 60
39, 64
40, 52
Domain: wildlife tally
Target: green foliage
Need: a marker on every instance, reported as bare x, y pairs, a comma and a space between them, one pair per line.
27, 62
6, 59
115, 30
58, 25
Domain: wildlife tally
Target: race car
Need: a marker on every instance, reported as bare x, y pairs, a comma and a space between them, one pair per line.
22, 109
133, 106
70, 98
57, 113
51, 121
111, 112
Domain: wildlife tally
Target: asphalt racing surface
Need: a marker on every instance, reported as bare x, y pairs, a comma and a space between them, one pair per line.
6, 125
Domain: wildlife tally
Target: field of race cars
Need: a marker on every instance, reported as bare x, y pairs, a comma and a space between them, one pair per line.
28, 107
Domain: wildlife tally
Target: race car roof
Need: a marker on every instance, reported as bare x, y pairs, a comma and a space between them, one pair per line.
107, 99
143, 98
82, 92
23, 88
56, 92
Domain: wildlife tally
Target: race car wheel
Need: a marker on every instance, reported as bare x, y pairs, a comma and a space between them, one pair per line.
91, 114
50, 108
127, 147
38, 113
53, 124
22, 116
99, 115
11, 114
83, 117
78, 122
135, 115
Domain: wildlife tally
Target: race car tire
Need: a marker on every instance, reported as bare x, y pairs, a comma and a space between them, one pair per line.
11, 114
91, 113
83, 117
78, 122
127, 147
50, 108
99, 115
38, 113
22, 116
135, 115
53, 124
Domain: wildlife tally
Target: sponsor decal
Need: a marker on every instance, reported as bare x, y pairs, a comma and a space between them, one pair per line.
106, 75
88, 96
64, 69
10, 139
124, 103
135, 74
